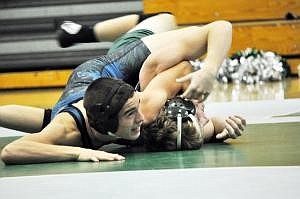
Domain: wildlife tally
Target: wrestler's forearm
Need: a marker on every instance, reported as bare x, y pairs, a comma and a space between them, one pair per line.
26, 152
218, 44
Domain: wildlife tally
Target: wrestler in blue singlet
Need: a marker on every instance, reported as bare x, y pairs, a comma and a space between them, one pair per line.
123, 61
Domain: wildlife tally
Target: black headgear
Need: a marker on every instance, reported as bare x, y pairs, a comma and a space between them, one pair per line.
182, 109
179, 105
103, 100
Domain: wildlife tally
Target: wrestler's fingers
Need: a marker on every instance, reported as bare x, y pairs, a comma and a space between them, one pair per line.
231, 131
223, 135
236, 128
242, 120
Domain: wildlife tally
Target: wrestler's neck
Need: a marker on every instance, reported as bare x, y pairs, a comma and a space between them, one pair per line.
146, 109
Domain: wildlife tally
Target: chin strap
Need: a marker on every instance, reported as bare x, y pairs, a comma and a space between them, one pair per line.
198, 126
113, 135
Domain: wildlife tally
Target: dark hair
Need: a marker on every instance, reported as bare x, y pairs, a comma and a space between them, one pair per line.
103, 100
161, 135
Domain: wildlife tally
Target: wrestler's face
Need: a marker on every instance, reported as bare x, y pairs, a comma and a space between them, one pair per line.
130, 119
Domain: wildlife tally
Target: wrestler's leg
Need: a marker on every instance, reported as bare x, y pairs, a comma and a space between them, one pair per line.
22, 118
70, 33
111, 29
159, 23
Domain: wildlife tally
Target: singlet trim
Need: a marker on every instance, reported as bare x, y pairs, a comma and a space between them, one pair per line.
80, 122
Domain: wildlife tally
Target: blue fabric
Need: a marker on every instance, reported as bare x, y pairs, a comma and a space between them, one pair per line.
70, 99
113, 70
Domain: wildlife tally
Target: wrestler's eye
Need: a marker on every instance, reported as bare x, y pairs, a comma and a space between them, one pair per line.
131, 112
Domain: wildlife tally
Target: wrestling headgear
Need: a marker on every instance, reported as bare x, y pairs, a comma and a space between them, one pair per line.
103, 100
182, 110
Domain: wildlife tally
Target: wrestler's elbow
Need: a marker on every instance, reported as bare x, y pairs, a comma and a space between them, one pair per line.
223, 25
9, 154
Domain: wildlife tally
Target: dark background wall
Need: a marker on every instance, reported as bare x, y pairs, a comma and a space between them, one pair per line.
27, 31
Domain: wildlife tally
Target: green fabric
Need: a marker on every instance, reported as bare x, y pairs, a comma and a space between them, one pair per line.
261, 145
128, 38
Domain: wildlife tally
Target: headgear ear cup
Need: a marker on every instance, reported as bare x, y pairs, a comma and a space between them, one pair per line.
104, 122
103, 100
117, 102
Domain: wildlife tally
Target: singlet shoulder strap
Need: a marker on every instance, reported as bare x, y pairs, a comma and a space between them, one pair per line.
80, 122
137, 86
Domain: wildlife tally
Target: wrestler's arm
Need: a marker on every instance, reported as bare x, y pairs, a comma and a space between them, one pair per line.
161, 88
220, 129
172, 47
57, 142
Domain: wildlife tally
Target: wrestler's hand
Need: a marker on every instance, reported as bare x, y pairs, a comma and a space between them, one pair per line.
200, 86
97, 156
234, 127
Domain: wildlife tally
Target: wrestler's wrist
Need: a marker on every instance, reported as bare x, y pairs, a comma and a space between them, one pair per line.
77, 154
211, 68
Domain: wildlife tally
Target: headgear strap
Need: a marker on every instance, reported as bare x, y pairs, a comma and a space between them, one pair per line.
182, 110
179, 131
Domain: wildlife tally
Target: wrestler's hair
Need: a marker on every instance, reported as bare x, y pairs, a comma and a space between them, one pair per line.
161, 135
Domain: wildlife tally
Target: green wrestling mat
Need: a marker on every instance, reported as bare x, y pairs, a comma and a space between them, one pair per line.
261, 145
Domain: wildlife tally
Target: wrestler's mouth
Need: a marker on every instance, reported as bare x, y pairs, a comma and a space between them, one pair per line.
136, 129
